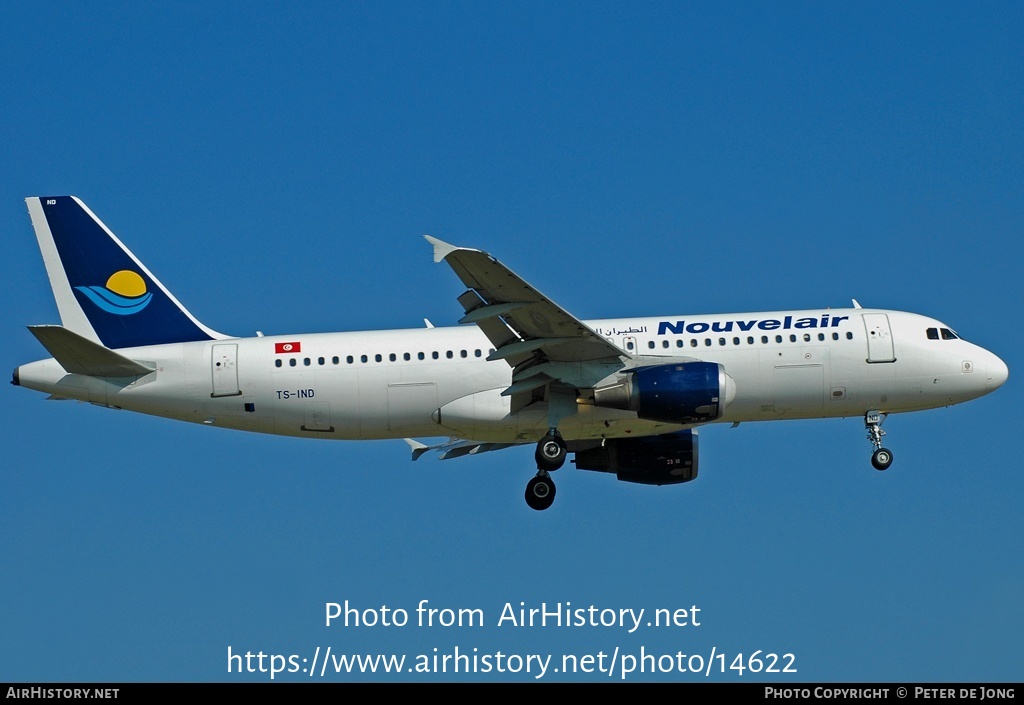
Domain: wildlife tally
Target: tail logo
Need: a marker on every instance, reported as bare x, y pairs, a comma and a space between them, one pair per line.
124, 294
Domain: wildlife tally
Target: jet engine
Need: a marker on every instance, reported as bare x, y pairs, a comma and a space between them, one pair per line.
686, 392
652, 460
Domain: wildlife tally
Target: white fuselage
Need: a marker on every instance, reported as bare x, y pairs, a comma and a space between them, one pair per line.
438, 382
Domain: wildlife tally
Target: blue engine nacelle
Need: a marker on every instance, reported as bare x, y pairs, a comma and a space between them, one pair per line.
682, 393
651, 460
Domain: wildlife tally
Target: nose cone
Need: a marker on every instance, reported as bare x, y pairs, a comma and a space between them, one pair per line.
997, 373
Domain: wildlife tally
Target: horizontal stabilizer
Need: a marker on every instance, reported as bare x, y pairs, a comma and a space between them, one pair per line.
82, 356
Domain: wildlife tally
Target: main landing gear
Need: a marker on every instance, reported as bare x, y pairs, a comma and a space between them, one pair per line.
550, 455
881, 459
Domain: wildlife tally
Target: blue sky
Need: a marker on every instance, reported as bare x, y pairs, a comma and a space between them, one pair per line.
276, 165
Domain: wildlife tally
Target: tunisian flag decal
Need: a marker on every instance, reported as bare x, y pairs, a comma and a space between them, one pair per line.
287, 347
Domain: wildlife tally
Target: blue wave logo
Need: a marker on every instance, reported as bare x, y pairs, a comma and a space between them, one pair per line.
124, 294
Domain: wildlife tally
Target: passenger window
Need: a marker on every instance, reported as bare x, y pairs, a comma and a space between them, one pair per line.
778, 339
305, 362
807, 337
449, 355
363, 358
693, 343
792, 338
821, 336
420, 356
434, 355
664, 343
335, 360
679, 343
477, 352
378, 358
650, 345
750, 340
349, 359
629, 345
463, 353
764, 340
849, 335
320, 361
406, 357
707, 342
735, 341
291, 362
277, 363
835, 336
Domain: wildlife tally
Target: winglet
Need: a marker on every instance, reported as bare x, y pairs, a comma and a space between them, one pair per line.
856, 304
418, 448
441, 249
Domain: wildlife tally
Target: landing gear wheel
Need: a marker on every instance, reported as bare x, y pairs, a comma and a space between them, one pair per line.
540, 492
881, 459
550, 453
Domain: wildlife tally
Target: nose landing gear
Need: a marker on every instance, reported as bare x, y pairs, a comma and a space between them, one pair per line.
881, 459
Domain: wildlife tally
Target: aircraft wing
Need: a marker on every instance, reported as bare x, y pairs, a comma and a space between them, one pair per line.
540, 340
455, 448
531, 321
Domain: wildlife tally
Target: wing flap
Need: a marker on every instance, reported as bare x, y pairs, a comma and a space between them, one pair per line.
493, 311
527, 385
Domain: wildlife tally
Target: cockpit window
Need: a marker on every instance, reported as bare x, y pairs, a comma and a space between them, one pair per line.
945, 333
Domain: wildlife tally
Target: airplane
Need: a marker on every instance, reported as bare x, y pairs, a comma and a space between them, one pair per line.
625, 396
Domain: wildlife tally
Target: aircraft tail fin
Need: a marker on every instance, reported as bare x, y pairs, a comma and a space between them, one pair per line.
104, 293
